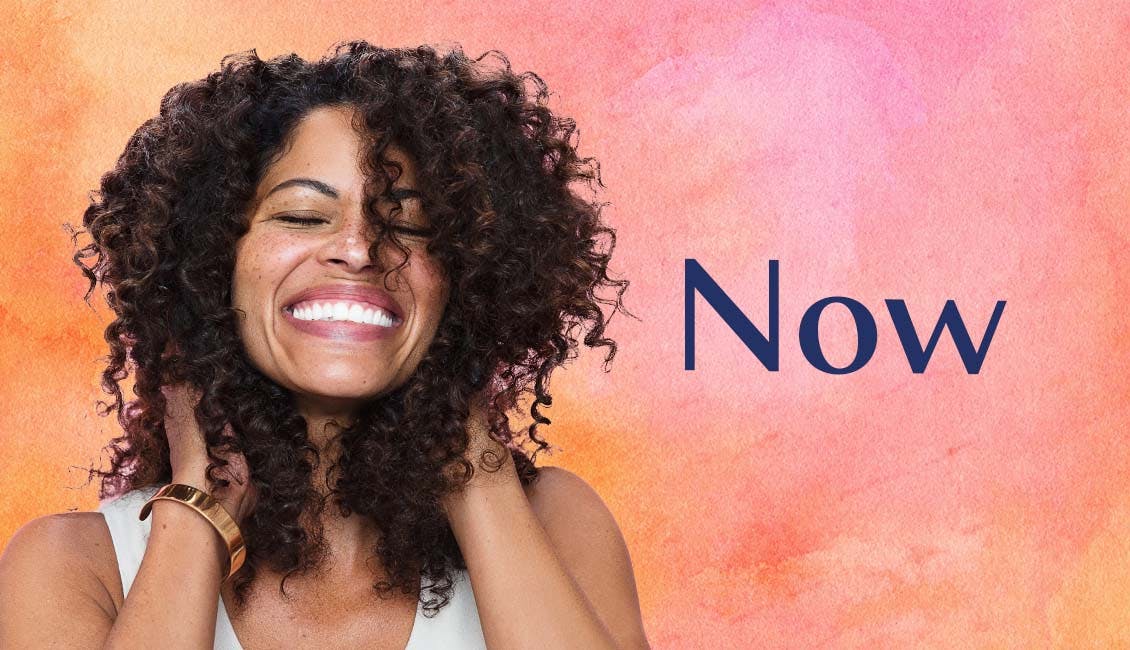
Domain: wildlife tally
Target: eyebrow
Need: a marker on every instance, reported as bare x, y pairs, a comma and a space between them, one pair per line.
330, 191
315, 185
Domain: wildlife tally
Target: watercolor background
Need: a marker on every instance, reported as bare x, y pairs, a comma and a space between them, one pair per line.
878, 150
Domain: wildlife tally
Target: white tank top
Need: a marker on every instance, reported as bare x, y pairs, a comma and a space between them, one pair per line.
456, 626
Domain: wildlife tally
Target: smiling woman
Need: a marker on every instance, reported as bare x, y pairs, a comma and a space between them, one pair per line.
308, 246
332, 281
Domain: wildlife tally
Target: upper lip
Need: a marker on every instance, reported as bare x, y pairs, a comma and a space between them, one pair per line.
354, 292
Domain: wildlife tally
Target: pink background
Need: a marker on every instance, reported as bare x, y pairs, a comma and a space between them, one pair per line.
913, 152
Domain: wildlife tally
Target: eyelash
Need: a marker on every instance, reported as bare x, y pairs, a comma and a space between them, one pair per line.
302, 220
310, 220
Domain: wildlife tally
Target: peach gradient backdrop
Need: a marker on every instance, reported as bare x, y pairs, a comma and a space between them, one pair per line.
917, 152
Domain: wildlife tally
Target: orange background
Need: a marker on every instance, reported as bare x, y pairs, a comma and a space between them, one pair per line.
919, 152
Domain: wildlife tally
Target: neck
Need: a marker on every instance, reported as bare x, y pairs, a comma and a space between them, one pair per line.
349, 540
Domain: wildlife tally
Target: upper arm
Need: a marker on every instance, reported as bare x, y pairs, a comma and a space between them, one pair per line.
52, 594
586, 538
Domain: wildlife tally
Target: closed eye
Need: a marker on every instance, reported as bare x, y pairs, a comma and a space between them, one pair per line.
289, 218
414, 232
406, 230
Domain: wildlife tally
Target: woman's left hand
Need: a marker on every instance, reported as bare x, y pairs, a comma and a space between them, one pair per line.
480, 442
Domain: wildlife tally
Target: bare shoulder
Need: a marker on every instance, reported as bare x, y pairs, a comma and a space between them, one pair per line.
560, 494
586, 537
574, 510
58, 565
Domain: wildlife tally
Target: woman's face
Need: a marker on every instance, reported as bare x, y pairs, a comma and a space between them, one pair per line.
303, 275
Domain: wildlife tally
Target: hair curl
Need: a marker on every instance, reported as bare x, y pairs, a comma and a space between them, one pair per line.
522, 248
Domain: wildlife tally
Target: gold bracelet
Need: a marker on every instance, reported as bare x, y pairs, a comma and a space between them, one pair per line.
211, 509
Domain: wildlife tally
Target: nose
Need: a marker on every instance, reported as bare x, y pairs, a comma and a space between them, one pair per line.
348, 247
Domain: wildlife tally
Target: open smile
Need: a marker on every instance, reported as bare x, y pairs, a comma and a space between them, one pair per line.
342, 320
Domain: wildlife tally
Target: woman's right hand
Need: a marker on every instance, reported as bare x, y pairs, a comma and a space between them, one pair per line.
189, 457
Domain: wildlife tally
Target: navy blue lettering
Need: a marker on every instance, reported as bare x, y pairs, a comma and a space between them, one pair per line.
919, 357
766, 349
866, 335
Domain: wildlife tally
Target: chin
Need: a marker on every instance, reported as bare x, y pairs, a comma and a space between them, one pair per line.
347, 391
341, 389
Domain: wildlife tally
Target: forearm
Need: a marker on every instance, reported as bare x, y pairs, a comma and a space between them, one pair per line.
174, 598
525, 596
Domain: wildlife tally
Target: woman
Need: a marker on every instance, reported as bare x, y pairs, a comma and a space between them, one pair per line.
332, 281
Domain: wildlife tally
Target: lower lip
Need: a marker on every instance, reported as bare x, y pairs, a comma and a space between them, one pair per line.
340, 330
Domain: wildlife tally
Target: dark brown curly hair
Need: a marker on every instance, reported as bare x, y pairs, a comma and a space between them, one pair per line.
526, 254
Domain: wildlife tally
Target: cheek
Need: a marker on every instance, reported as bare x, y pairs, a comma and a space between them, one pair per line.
246, 281
260, 266
436, 289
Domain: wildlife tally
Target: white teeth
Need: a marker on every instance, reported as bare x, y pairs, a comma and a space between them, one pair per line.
350, 311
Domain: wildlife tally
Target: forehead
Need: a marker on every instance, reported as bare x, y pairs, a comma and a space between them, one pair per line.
325, 145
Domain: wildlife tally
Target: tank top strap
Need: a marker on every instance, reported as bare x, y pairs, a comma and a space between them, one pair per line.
130, 536
456, 625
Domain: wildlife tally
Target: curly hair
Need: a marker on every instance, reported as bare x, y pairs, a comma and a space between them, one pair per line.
525, 252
